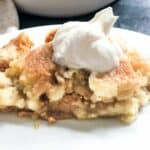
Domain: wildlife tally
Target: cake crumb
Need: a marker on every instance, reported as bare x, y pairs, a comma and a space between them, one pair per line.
51, 120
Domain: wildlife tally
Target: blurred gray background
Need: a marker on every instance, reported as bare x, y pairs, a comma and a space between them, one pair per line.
134, 15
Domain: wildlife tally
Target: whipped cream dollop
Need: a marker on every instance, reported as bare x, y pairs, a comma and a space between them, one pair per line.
86, 45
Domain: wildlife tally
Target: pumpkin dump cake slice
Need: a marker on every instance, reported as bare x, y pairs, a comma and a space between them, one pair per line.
58, 84
34, 84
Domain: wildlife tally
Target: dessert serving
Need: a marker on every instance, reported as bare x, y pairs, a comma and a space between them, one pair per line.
81, 72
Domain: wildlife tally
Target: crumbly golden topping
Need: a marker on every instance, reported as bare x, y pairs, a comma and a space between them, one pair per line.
15, 48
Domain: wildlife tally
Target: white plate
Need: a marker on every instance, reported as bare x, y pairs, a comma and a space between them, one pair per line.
101, 134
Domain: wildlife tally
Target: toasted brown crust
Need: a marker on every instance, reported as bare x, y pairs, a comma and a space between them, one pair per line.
50, 35
22, 43
38, 63
4, 64
15, 48
38, 68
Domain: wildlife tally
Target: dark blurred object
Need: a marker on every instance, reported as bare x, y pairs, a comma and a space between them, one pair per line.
134, 15
61, 8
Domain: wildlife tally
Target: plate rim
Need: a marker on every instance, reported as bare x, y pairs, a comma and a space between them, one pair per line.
57, 25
